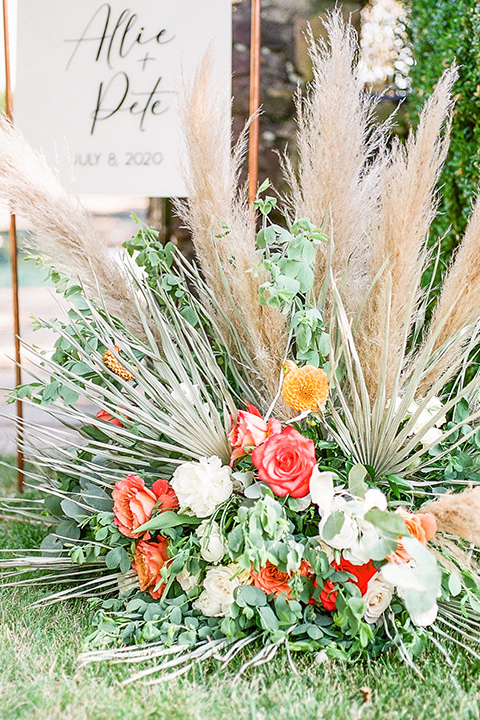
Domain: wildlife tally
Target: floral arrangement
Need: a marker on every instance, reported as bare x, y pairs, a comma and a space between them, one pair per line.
276, 445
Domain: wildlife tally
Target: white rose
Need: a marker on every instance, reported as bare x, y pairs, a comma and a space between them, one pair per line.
219, 584
187, 581
426, 618
344, 539
212, 548
203, 485
377, 598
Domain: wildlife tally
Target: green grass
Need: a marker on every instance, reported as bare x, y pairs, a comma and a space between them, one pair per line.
40, 678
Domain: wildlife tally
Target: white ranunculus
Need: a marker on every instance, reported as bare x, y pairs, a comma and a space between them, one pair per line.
187, 581
375, 498
322, 490
347, 536
357, 554
203, 485
217, 597
377, 598
426, 618
212, 548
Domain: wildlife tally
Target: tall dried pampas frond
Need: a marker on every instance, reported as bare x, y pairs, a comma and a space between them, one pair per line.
64, 235
459, 514
398, 243
339, 163
223, 227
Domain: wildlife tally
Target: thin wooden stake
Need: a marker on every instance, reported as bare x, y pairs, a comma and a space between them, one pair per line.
255, 42
14, 264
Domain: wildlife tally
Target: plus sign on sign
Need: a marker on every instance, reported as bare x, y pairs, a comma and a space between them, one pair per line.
97, 86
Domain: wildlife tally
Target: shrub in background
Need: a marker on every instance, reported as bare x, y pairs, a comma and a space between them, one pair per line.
441, 32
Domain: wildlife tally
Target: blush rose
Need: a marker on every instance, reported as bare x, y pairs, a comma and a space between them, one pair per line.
250, 431
285, 461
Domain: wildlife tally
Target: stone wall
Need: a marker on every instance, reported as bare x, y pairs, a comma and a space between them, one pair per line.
284, 64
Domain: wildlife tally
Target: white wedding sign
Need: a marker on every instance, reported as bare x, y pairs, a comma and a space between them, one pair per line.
97, 86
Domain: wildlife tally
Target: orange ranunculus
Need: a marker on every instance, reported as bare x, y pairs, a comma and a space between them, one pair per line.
250, 431
166, 498
285, 461
421, 526
133, 502
304, 388
148, 560
104, 415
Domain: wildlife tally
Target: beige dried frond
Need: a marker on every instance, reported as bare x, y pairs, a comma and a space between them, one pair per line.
398, 243
64, 235
459, 302
459, 514
339, 167
223, 227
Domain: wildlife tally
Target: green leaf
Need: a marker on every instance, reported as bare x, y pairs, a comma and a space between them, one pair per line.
356, 476
454, 584
387, 521
250, 595
268, 618
73, 510
115, 557
167, 519
333, 525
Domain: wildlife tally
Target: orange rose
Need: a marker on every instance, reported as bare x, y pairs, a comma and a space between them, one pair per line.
148, 560
250, 431
133, 502
271, 580
421, 526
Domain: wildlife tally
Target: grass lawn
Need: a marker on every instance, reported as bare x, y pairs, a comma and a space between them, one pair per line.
40, 678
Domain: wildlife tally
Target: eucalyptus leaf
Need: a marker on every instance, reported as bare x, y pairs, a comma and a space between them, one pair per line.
167, 519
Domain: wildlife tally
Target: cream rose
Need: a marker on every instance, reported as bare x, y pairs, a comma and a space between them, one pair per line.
203, 485
217, 597
346, 538
187, 581
212, 548
377, 598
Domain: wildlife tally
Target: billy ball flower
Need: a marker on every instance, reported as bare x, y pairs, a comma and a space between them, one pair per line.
304, 388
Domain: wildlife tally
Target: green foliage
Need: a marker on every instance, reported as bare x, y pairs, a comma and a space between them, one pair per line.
442, 32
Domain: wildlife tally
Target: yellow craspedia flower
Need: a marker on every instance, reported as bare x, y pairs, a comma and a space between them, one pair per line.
304, 388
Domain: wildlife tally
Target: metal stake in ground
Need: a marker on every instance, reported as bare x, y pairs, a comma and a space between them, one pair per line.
13, 260
255, 35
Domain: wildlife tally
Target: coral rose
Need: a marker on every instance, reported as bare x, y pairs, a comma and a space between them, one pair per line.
362, 573
250, 431
421, 526
133, 502
285, 461
304, 388
148, 560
